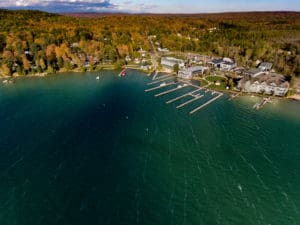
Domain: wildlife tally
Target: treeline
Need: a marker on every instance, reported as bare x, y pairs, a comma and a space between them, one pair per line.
33, 41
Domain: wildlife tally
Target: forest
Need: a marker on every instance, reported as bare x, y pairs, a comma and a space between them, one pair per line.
35, 42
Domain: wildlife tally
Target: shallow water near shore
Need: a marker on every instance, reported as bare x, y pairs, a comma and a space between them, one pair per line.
76, 150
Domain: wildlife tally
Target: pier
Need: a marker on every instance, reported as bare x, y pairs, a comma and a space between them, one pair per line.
233, 96
157, 81
264, 101
205, 104
194, 94
163, 76
155, 74
123, 72
160, 86
189, 101
182, 96
169, 91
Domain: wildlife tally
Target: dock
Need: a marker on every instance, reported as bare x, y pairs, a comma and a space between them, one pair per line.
155, 74
182, 96
264, 101
205, 104
189, 101
157, 81
169, 91
122, 72
160, 86
194, 94
233, 96
163, 76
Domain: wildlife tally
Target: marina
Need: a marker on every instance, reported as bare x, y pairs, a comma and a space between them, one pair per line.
195, 94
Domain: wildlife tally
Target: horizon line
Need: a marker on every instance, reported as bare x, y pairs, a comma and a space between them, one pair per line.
154, 13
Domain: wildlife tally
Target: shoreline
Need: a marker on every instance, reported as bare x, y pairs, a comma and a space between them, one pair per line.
295, 97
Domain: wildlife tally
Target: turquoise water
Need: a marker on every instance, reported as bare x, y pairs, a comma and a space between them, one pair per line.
76, 151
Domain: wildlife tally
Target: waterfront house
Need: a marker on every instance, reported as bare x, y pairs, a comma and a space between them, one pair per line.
188, 73
170, 62
265, 83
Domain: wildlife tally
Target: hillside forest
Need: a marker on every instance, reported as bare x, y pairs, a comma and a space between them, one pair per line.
35, 42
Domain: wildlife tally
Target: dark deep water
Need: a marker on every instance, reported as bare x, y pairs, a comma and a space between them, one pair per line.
76, 151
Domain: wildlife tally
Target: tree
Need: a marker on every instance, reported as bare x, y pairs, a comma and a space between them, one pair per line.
176, 68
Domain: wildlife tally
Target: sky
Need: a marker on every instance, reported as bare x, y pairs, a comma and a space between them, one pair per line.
153, 6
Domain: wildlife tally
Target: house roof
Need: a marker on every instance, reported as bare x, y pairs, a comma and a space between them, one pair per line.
266, 65
272, 79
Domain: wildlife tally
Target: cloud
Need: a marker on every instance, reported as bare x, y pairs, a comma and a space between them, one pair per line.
60, 5
135, 7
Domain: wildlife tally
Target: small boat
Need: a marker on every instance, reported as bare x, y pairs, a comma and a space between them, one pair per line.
122, 73
97, 78
162, 84
179, 86
5, 81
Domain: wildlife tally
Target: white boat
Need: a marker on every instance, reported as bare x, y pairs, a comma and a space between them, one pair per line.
97, 78
179, 86
162, 84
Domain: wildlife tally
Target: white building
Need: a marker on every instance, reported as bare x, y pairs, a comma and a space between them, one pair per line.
163, 50
271, 84
227, 66
170, 62
188, 73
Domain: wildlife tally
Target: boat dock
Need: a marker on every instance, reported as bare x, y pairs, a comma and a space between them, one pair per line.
195, 94
164, 79
160, 86
182, 96
169, 91
264, 101
155, 74
233, 96
189, 101
205, 104
122, 73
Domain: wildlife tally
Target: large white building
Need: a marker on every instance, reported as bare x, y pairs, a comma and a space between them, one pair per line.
267, 83
170, 62
225, 64
188, 73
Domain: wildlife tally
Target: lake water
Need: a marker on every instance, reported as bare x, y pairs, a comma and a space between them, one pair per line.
77, 151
